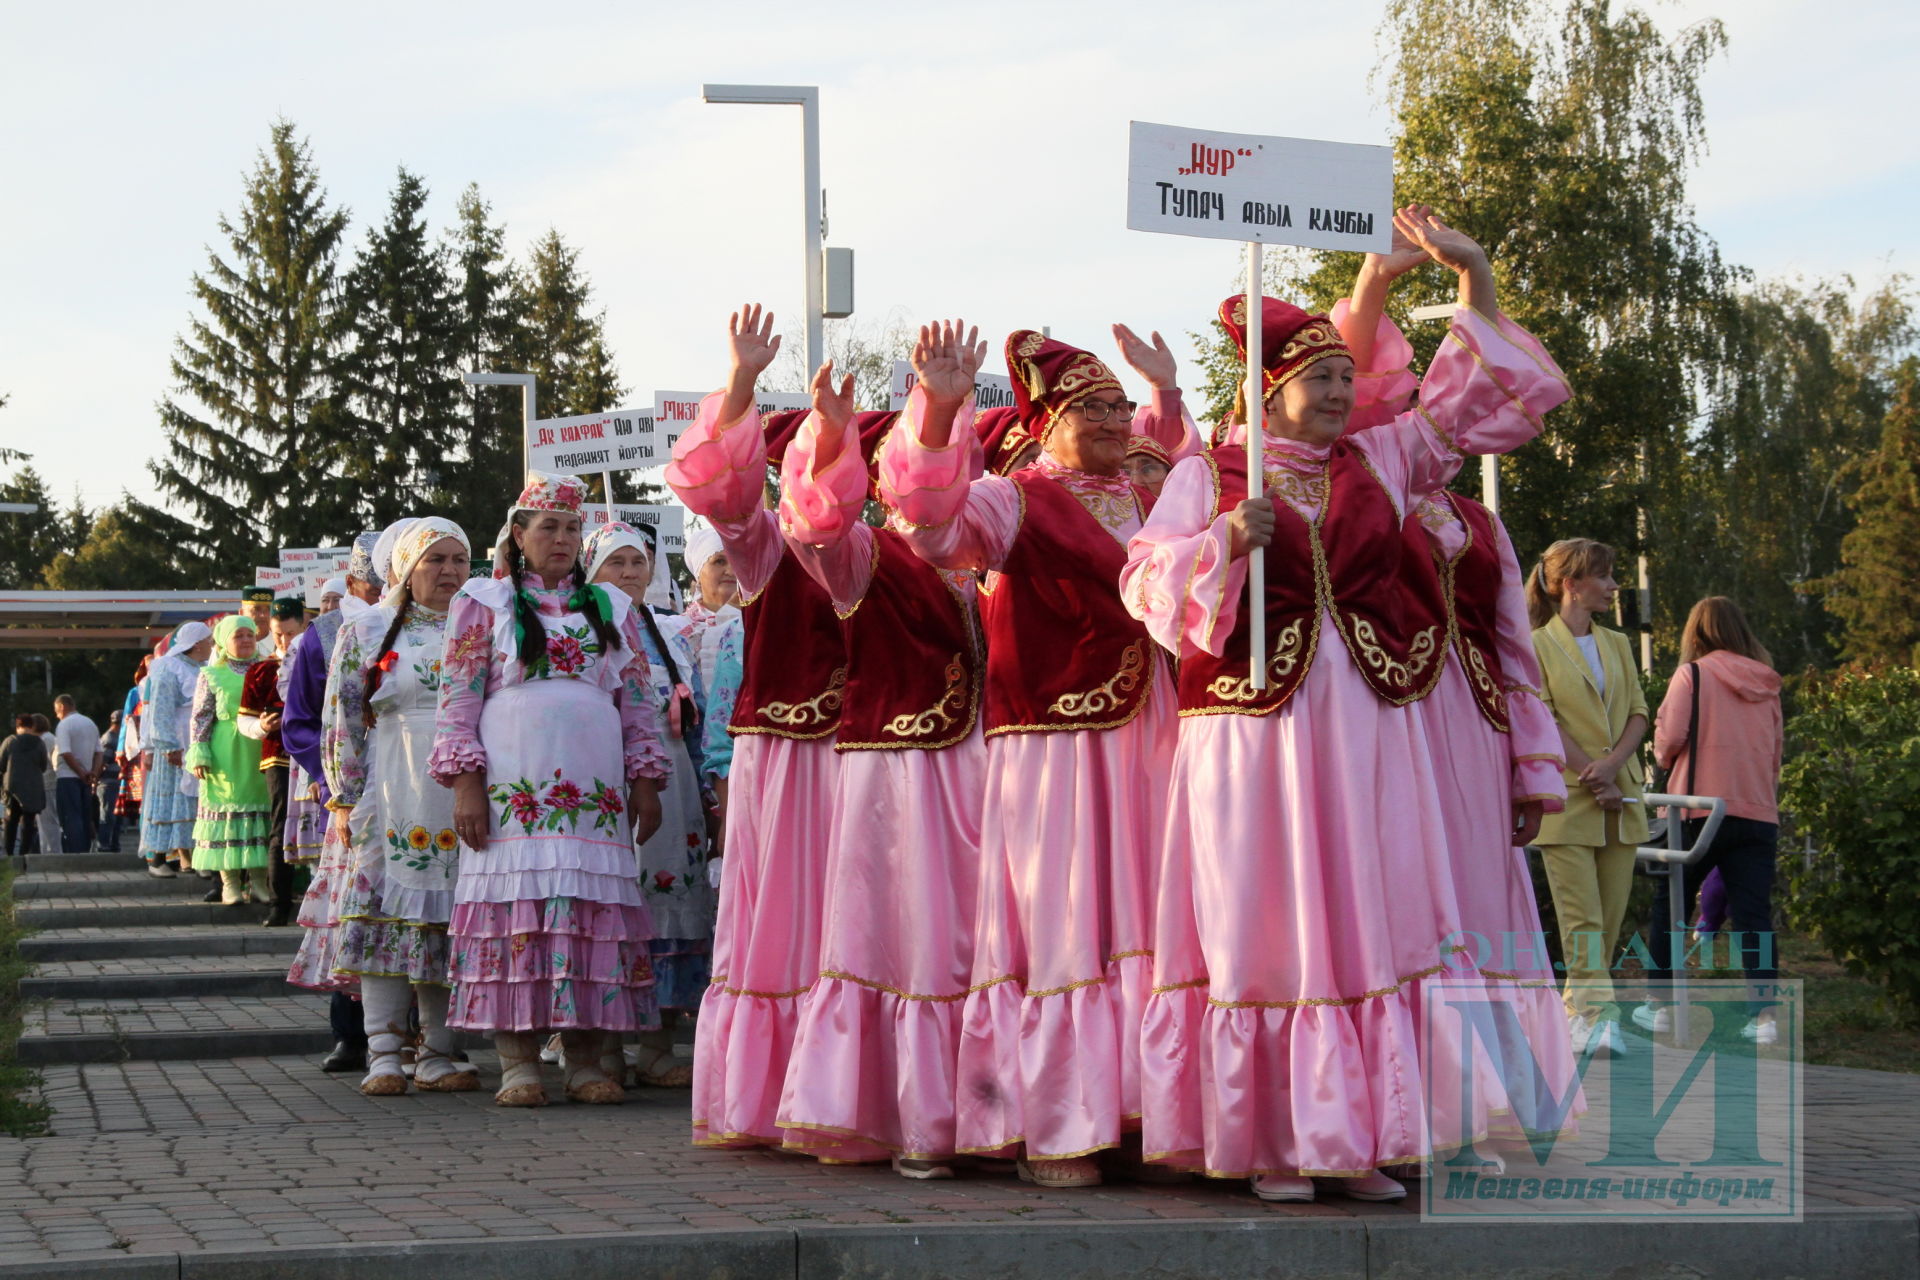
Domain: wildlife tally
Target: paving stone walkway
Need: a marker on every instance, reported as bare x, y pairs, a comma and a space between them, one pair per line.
245, 1151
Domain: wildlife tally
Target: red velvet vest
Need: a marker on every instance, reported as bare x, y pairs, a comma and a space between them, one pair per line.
1473, 582
913, 662
260, 695
1361, 562
795, 660
1062, 652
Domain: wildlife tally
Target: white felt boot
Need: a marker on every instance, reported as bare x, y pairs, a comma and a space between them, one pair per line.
385, 1002
434, 1067
519, 1070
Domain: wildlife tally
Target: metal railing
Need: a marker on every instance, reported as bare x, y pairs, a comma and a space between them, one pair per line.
1672, 860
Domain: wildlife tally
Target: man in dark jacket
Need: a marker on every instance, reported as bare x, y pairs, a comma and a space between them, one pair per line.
23, 771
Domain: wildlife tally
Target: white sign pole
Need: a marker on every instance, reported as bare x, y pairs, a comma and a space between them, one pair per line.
606, 489
1256, 463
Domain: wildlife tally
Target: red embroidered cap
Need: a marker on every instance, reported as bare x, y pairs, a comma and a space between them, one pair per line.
1003, 438
1290, 339
1049, 376
1149, 447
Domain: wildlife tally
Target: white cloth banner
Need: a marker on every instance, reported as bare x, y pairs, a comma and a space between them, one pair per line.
1242, 186
990, 390
618, 440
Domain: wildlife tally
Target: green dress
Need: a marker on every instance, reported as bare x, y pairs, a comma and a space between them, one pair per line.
230, 833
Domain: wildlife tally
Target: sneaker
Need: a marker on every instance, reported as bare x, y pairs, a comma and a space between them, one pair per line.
1375, 1186
1283, 1190
1657, 1018
161, 871
1579, 1030
1607, 1041
1762, 1031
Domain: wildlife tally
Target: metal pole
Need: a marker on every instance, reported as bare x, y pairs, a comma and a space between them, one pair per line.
525, 381
816, 322
1490, 483
1256, 467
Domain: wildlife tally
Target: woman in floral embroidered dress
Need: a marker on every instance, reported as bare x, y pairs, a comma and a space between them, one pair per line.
377, 728
673, 861
548, 737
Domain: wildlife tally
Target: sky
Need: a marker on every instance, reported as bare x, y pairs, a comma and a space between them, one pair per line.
974, 158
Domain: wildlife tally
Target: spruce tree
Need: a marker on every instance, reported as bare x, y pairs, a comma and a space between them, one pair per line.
253, 433
1876, 593
398, 380
482, 473
563, 342
28, 540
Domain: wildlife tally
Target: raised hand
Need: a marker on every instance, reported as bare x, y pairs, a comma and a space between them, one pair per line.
1406, 253
945, 360
751, 339
1450, 248
835, 406
1154, 363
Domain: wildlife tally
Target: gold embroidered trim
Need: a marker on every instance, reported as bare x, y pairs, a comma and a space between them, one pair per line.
1308, 1001
815, 710
760, 995
870, 984
805, 1126
1384, 664
909, 724
1107, 696
1287, 650
1446, 437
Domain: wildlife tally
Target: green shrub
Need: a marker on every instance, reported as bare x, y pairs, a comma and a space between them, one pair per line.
1852, 781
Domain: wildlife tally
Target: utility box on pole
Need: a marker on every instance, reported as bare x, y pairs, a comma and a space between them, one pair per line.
836, 273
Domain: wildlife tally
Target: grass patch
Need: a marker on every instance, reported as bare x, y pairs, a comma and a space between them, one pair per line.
22, 1112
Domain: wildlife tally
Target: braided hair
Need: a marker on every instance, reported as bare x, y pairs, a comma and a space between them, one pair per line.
533, 633
401, 602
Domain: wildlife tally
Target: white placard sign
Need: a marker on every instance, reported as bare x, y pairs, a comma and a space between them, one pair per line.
669, 519
990, 390
279, 581
1241, 186
675, 411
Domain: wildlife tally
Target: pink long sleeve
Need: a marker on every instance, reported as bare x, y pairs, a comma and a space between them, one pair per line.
951, 519
820, 511
1179, 579
645, 757
1385, 388
1532, 738
720, 471
1166, 420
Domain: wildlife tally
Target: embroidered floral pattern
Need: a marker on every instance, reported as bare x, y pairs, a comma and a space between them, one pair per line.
549, 806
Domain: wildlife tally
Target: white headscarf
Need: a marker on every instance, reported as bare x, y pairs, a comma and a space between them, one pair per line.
383, 549
703, 544
609, 538
413, 543
334, 587
189, 635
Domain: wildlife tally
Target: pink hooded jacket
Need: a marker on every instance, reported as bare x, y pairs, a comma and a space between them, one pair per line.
1739, 735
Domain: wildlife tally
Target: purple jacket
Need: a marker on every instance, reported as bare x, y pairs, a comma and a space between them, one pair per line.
306, 677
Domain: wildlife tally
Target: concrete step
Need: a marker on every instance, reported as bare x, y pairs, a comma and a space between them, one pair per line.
121, 883
63, 863
158, 942
123, 1029
132, 911
165, 978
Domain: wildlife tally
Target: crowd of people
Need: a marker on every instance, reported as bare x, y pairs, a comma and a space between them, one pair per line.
970, 831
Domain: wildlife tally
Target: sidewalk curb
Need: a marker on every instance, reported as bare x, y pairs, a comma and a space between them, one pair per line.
1862, 1244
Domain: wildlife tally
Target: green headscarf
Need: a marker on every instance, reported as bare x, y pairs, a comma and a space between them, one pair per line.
223, 632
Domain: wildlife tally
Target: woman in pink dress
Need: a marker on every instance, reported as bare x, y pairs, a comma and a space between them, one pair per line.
873, 1064
766, 940
1307, 898
1079, 726
1487, 720
548, 737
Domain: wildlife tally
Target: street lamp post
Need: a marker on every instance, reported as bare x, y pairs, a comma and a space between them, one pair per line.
525, 381
807, 98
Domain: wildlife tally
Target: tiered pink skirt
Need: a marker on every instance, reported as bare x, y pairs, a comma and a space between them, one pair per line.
872, 1070
766, 941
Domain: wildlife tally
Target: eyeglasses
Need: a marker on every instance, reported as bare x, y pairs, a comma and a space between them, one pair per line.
1097, 410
